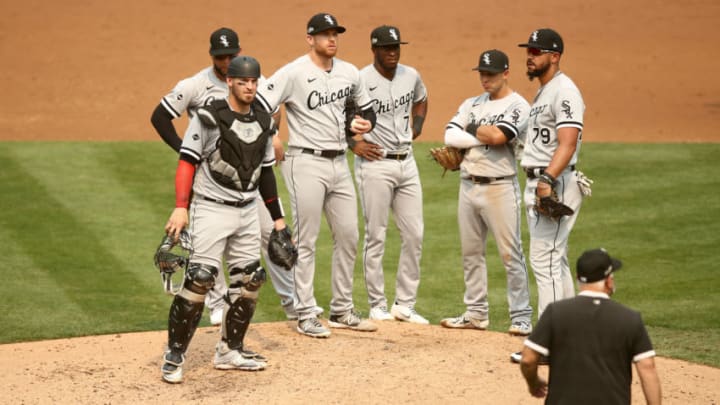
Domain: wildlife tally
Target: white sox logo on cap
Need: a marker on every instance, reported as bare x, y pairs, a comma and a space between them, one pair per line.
534, 36
224, 41
329, 19
393, 34
486, 59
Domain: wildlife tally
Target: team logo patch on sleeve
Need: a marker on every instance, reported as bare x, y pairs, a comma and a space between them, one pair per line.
566, 109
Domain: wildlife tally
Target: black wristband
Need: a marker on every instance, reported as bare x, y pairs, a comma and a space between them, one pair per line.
546, 178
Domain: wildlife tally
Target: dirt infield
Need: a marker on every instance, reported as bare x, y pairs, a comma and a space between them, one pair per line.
80, 70
399, 364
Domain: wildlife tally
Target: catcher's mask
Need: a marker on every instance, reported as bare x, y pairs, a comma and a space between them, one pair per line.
172, 256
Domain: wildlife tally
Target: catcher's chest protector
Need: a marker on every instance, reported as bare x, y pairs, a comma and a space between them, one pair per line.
240, 149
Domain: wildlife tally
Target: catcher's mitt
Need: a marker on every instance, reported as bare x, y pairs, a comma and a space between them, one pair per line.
172, 256
551, 207
448, 157
281, 249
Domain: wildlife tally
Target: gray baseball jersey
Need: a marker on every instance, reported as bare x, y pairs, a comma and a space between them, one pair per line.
510, 112
393, 101
492, 204
392, 184
557, 104
314, 101
194, 92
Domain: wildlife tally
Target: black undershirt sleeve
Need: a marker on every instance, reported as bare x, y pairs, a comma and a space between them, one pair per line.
162, 121
268, 191
507, 132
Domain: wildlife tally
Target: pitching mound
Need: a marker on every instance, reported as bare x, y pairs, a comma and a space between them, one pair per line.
399, 364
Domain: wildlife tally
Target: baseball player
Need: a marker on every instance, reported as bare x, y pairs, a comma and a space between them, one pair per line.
550, 158
198, 91
314, 88
387, 175
488, 126
226, 158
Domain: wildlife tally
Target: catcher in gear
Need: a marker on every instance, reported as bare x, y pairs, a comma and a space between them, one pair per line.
226, 159
448, 157
281, 249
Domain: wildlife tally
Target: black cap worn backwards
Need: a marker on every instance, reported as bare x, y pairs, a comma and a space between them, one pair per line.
595, 265
323, 22
385, 35
492, 61
224, 41
546, 39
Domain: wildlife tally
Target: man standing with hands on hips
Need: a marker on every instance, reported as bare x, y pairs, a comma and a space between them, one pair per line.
387, 175
551, 152
314, 89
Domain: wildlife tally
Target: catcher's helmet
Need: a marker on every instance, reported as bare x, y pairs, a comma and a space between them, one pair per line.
244, 66
172, 256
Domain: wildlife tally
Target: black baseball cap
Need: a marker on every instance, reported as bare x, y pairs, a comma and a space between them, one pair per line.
385, 35
224, 41
595, 265
323, 22
492, 61
546, 39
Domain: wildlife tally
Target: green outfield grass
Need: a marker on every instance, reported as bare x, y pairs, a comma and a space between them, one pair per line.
79, 223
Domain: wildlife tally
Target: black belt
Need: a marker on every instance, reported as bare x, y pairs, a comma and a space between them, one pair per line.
237, 204
397, 156
485, 180
535, 172
330, 154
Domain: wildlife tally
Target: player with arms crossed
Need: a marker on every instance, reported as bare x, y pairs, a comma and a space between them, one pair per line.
314, 89
387, 175
190, 94
489, 126
230, 143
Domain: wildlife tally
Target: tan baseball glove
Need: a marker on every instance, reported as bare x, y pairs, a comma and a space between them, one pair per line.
448, 157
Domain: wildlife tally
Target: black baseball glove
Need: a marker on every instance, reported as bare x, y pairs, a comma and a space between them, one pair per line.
172, 256
351, 110
281, 249
551, 207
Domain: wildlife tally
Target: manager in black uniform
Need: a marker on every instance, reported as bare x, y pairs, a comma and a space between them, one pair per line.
591, 342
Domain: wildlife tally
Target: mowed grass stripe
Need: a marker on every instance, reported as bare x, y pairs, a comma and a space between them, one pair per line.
30, 297
58, 221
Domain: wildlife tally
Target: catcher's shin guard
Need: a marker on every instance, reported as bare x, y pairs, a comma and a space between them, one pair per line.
242, 296
186, 309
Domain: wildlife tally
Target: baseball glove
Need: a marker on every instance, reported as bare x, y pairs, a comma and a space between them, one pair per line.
448, 157
172, 256
351, 110
281, 249
551, 207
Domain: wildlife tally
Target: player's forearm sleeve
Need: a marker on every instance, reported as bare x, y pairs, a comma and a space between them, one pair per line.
162, 121
183, 183
268, 191
457, 137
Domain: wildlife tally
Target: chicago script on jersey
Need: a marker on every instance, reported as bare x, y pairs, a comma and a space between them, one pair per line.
316, 99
